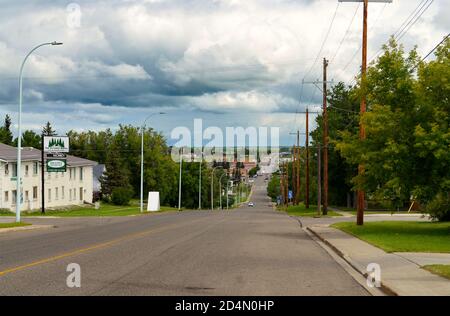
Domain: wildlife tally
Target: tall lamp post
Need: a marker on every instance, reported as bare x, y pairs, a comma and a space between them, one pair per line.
19, 137
220, 187
200, 182
142, 157
212, 186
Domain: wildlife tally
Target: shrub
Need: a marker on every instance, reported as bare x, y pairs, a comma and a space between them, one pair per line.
121, 196
439, 207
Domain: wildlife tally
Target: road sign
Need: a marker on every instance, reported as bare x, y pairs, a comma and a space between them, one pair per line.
56, 144
57, 155
56, 165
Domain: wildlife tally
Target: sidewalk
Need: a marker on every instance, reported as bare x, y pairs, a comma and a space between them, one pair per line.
400, 274
24, 228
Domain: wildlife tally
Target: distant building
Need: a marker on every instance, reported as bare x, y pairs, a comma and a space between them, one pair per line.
73, 187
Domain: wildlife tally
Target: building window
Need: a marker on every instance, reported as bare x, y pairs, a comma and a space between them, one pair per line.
74, 173
26, 170
6, 196
27, 197
6, 169
56, 193
14, 170
35, 193
14, 197
62, 192
49, 195
35, 168
81, 194
81, 173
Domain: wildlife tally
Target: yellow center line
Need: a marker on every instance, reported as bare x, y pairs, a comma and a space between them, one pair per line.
94, 247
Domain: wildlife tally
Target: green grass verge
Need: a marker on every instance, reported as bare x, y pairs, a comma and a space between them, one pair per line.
439, 269
368, 212
104, 210
301, 210
402, 236
10, 225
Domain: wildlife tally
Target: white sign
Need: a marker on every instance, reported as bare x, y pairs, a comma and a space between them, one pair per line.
56, 144
153, 202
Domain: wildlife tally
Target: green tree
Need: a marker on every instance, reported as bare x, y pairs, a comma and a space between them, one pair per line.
6, 136
30, 139
343, 107
48, 130
432, 134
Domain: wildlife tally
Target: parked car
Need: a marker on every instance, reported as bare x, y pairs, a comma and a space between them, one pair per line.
251, 204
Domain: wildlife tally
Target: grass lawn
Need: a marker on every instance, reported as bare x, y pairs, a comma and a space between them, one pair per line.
368, 212
10, 225
105, 210
402, 236
439, 269
300, 210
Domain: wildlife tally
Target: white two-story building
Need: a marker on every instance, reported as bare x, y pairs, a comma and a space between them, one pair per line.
62, 189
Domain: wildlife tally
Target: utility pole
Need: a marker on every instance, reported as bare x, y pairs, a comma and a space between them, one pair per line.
286, 183
325, 139
294, 173
319, 184
297, 169
200, 182
179, 181
362, 132
307, 162
42, 176
281, 183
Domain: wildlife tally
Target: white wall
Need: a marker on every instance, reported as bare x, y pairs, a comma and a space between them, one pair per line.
64, 189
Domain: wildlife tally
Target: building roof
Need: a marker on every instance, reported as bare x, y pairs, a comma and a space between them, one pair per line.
9, 154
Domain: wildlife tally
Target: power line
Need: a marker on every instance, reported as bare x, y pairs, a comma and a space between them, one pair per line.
436, 47
410, 21
430, 52
360, 45
346, 32
324, 41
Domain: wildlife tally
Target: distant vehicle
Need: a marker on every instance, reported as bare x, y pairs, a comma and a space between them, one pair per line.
266, 178
251, 204
255, 176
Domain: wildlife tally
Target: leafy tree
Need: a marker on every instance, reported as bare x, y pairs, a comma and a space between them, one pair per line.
253, 171
30, 139
386, 153
273, 187
432, 134
343, 110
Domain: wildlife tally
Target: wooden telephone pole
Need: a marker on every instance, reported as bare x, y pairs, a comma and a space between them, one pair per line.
325, 139
362, 132
307, 161
297, 169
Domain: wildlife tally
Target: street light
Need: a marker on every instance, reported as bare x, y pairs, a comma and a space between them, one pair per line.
19, 137
142, 157
220, 187
200, 182
212, 186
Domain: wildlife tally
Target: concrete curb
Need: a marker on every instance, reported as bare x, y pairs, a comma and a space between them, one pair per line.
25, 228
384, 288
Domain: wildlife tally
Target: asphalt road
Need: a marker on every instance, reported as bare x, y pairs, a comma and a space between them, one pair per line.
249, 251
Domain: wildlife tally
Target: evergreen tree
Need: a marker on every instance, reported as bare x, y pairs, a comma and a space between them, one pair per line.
48, 130
6, 136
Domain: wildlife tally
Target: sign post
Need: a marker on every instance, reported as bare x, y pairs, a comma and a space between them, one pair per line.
55, 147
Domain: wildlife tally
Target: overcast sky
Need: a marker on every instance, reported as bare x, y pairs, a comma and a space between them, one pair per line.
229, 62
